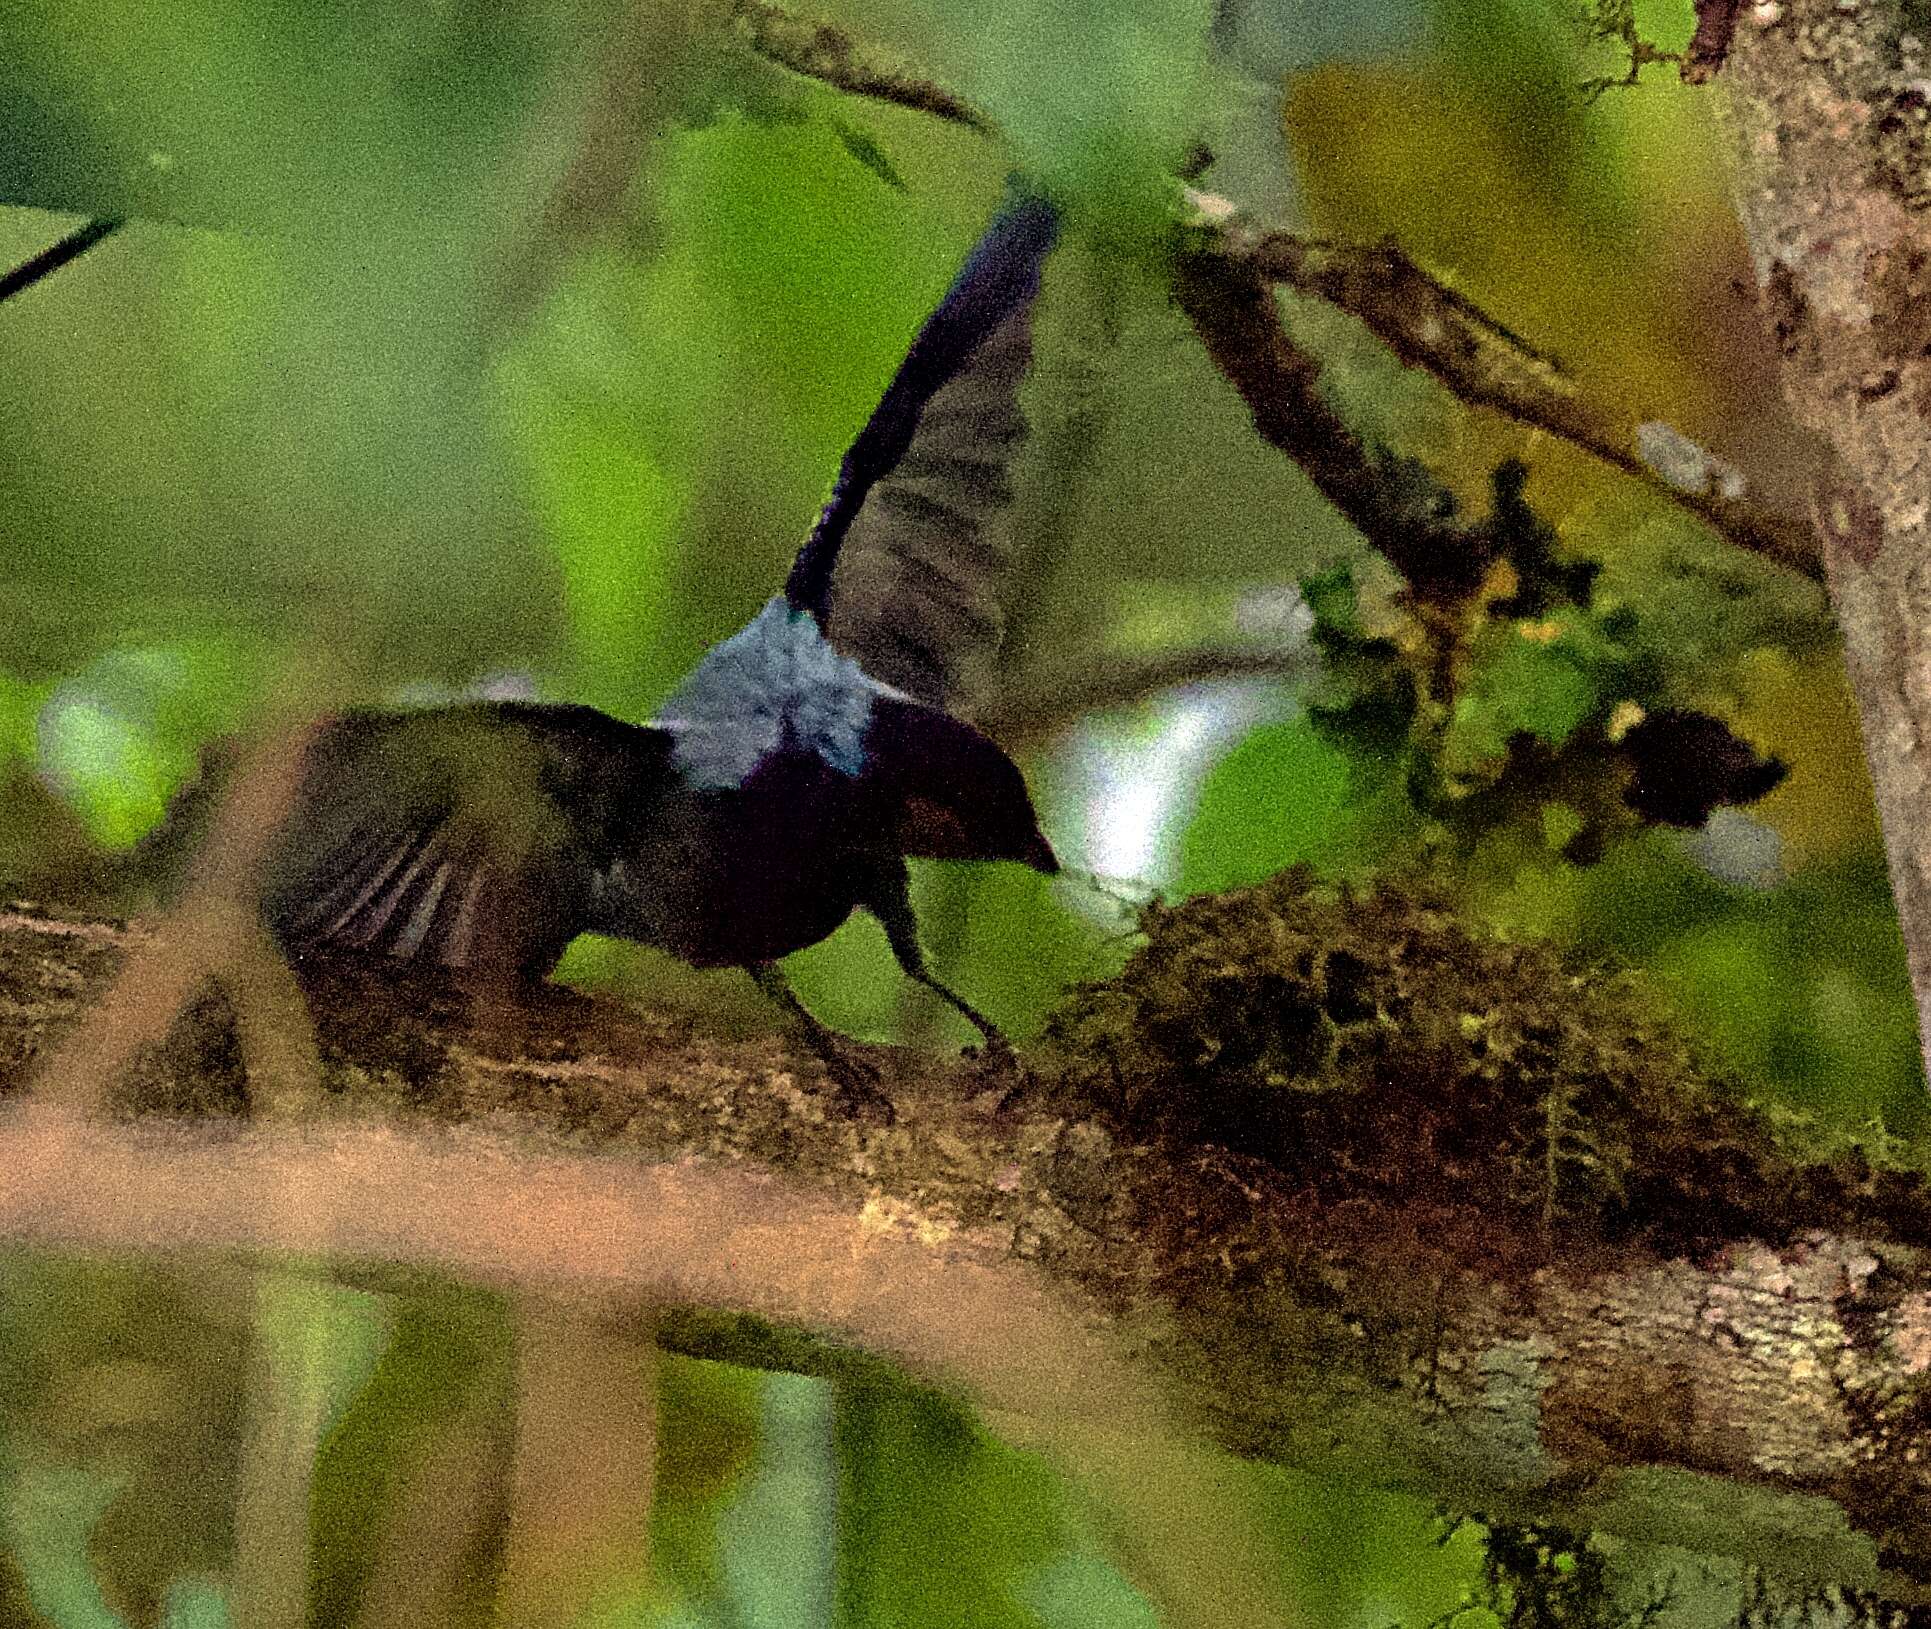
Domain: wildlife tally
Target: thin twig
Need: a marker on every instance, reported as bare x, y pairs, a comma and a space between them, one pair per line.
819, 51
48, 261
1047, 698
1429, 325
628, 98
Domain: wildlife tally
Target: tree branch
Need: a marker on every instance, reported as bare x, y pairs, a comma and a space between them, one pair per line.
818, 50
1425, 323
1027, 1255
1394, 504
1428, 325
718, 1182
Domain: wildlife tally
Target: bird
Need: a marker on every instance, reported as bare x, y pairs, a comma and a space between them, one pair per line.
786, 779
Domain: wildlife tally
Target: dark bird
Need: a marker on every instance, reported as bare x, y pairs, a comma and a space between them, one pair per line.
790, 774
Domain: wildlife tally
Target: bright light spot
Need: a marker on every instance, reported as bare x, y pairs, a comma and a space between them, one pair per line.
1140, 784
497, 685
102, 763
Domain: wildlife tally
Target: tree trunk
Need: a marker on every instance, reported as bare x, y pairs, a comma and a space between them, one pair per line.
1832, 111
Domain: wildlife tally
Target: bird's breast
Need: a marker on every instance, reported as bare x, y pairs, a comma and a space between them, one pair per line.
727, 878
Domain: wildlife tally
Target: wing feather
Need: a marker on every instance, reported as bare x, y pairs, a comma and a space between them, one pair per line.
904, 568
468, 837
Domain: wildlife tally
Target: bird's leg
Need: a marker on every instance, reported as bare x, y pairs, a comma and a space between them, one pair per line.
893, 908
856, 1079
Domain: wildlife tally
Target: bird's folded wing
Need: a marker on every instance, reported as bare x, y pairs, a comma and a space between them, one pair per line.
904, 570
466, 836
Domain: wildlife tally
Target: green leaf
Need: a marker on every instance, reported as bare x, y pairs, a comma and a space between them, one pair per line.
710, 1428
1097, 97
940, 1523
1336, 603
443, 1344
1284, 794
1560, 824
223, 114
1541, 678
119, 738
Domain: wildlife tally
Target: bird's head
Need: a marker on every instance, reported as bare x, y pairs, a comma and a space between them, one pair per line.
949, 792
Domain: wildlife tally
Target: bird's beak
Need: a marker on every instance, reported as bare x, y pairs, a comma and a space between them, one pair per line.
1040, 856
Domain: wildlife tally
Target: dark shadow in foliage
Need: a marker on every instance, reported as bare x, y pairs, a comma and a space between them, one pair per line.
1683, 764
1496, 688
1537, 1575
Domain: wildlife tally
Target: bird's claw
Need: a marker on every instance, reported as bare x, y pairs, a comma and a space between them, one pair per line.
1003, 1076
855, 1081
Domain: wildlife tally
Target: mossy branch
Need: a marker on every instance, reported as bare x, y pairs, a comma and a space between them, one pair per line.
1376, 1297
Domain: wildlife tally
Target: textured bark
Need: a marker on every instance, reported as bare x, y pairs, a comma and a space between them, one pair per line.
1761, 1400
596, 1167
1834, 136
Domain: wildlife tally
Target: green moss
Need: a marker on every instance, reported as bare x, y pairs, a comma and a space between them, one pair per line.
1377, 1045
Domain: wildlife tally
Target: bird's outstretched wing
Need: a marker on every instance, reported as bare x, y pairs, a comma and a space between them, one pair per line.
903, 568
467, 836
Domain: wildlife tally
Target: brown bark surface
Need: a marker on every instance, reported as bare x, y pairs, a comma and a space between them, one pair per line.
1761, 1397
1833, 127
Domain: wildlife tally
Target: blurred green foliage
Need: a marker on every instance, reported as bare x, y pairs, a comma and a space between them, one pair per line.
939, 1523
421, 1373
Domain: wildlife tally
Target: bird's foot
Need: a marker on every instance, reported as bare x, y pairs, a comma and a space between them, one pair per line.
859, 1094
855, 1079
1001, 1076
